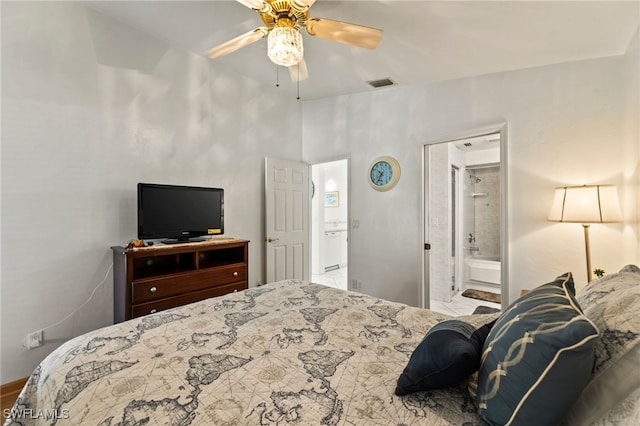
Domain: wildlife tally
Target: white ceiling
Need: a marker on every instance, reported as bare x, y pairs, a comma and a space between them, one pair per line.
422, 42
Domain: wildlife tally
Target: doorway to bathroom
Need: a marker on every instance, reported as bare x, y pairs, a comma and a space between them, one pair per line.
329, 223
464, 223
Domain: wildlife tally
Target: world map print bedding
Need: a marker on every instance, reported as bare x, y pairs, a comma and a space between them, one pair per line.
285, 353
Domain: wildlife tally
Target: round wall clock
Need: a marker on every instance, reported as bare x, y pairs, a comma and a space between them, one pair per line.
384, 173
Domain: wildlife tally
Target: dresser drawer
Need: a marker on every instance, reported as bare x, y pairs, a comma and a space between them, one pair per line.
172, 302
150, 289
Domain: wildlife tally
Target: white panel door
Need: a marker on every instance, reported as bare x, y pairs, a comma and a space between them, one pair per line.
287, 219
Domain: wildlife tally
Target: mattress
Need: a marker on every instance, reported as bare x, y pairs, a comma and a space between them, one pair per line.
289, 352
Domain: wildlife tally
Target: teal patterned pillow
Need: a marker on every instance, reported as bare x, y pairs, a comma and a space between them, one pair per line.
537, 358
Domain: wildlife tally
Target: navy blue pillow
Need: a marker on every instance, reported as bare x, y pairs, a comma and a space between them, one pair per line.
448, 354
537, 359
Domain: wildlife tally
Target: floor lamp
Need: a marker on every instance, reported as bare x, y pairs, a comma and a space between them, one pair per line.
586, 204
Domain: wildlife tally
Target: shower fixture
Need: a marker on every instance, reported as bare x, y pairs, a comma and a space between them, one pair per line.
473, 247
472, 177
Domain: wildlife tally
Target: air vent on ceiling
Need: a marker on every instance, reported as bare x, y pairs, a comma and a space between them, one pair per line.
381, 83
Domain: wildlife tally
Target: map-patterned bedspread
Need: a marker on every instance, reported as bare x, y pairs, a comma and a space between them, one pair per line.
284, 353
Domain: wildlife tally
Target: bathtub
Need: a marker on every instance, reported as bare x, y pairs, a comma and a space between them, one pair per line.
485, 269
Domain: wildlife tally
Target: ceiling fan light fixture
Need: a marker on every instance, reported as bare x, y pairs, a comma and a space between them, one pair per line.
284, 45
283, 22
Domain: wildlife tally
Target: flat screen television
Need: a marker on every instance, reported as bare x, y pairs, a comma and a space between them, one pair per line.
179, 213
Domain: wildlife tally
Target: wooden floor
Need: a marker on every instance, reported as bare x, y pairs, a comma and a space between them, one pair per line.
9, 393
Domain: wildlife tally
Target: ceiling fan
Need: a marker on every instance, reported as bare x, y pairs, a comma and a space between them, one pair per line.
283, 20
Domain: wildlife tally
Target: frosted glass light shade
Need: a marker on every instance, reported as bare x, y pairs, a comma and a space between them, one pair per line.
284, 46
586, 204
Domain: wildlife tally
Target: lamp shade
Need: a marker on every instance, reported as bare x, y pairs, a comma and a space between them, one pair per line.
586, 204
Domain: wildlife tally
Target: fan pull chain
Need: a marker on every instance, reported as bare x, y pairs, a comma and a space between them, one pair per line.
297, 83
298, 97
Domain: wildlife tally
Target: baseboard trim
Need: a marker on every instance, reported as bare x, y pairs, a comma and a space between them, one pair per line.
9, 393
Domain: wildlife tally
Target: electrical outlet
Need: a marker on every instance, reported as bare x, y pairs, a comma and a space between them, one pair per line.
258, 283
34, 340
356, 285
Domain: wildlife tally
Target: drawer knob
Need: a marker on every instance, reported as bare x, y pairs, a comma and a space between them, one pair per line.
153, 311
153, 289
235, 273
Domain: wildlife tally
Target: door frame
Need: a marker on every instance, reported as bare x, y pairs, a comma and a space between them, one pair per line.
311, 245
502, 129
456, 189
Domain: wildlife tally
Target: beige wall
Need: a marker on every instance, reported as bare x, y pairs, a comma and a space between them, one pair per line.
89, 109
572, 123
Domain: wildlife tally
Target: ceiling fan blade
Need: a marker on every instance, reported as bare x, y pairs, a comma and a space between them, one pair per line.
252, 4
299, 72
356, 35
303, 3
237, 43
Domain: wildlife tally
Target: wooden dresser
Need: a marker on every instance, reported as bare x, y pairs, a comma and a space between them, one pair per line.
151, 279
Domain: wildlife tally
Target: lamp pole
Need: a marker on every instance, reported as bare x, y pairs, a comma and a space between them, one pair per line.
588, 250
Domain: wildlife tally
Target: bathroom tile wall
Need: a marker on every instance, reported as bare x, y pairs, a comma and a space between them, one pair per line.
487, 209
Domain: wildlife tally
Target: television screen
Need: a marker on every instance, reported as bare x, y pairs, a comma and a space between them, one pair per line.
179, 213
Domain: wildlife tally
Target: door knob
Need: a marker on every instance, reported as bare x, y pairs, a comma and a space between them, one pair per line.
271, 239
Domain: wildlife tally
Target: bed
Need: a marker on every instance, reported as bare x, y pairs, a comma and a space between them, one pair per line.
298, 353
285, 353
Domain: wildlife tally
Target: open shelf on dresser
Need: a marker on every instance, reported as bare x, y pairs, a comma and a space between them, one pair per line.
151, 279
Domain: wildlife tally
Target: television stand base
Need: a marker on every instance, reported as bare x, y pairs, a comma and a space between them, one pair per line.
152, 279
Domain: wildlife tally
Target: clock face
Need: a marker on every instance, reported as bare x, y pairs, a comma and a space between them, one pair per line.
381, 173
384, 173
